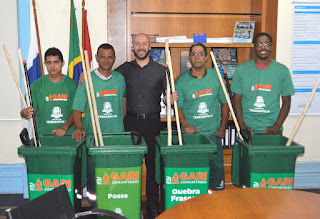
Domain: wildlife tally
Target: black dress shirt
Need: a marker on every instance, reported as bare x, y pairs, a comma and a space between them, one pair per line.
144, 86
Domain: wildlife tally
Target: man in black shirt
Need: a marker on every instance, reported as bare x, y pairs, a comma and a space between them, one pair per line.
145, 82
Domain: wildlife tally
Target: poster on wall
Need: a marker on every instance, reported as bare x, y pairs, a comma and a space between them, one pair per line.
305, 57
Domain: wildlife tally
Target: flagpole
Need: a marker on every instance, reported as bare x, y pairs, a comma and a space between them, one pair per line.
38, 37
70, 12
83, 5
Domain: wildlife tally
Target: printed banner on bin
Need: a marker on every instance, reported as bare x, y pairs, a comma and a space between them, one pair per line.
184, 183
272, 180
42, 183
119, 190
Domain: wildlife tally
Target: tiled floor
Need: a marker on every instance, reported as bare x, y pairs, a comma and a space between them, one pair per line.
13, 200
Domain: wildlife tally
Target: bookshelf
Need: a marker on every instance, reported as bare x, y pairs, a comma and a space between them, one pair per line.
184, 17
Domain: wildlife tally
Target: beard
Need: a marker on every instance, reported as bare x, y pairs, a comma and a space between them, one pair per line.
143, 57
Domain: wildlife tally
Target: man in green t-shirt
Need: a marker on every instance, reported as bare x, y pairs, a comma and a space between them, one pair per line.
52, 97
203, 109
257, 86
109, 89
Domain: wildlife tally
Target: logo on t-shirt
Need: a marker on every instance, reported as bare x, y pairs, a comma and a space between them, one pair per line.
57, 97
107, 108
107, 111
259, 106
262, 87
201, 93
259, 102
106, 93
203, 108
56, 112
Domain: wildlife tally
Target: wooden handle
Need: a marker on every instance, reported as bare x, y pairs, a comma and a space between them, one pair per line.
89, 98
15, 77
168, 113
94, 103
295, 130
226, 95
27, 93
169, 63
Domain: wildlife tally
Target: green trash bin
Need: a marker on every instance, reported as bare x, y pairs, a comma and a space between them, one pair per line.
118, 173
184, 168
57, 161
266, 164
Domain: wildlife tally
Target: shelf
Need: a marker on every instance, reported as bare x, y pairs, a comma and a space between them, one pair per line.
187, 45
164, 119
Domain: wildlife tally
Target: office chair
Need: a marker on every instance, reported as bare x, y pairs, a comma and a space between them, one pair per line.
52, 205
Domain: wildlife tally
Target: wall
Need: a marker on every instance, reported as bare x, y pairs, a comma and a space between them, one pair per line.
309, 130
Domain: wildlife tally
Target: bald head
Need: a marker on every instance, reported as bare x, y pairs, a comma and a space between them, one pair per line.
141, 46
141, 36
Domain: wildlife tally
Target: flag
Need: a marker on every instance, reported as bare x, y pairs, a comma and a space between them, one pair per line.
33, 62
75, 65
87, 44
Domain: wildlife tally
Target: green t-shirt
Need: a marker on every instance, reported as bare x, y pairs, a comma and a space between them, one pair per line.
53, 102
109, 97
199, 100
261, 91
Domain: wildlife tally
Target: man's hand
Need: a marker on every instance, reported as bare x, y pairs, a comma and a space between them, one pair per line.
190, 129
78, 134
59, 132
272, 130
81, 78
221, 132
27, 112
174, 97
248, 128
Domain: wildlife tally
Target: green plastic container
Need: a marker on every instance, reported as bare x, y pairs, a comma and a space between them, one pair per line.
118, 174
57, 161
184, 168
266, 164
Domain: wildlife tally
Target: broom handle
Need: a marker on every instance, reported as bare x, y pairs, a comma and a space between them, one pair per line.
94, 103
27, 93
168, 112
294, 132
169, 63
89, 98
226, 95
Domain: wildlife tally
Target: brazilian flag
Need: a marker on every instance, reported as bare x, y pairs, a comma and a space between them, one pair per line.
75, 65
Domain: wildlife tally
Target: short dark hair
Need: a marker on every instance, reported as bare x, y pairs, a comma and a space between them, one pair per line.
105, 46
262, 34
53, 52
198, 44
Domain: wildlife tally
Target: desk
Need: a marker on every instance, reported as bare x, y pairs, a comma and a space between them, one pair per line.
248, 203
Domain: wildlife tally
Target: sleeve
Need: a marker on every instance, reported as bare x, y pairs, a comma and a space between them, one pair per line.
33, 90
80, 99
236, 85
123, 85
287, 89
221, 96
179, 89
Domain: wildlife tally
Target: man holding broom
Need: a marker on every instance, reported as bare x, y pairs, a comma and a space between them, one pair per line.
203, 109
109, 89
257, 86
52, 97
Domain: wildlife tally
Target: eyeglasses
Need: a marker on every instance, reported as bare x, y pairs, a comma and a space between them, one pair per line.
260, 44
193, 54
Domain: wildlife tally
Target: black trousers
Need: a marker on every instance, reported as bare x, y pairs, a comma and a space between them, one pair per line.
148, 128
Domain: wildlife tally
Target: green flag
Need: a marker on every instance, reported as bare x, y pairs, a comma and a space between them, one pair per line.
75, 65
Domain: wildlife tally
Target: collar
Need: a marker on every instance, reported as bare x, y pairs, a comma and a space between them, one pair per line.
195, 76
